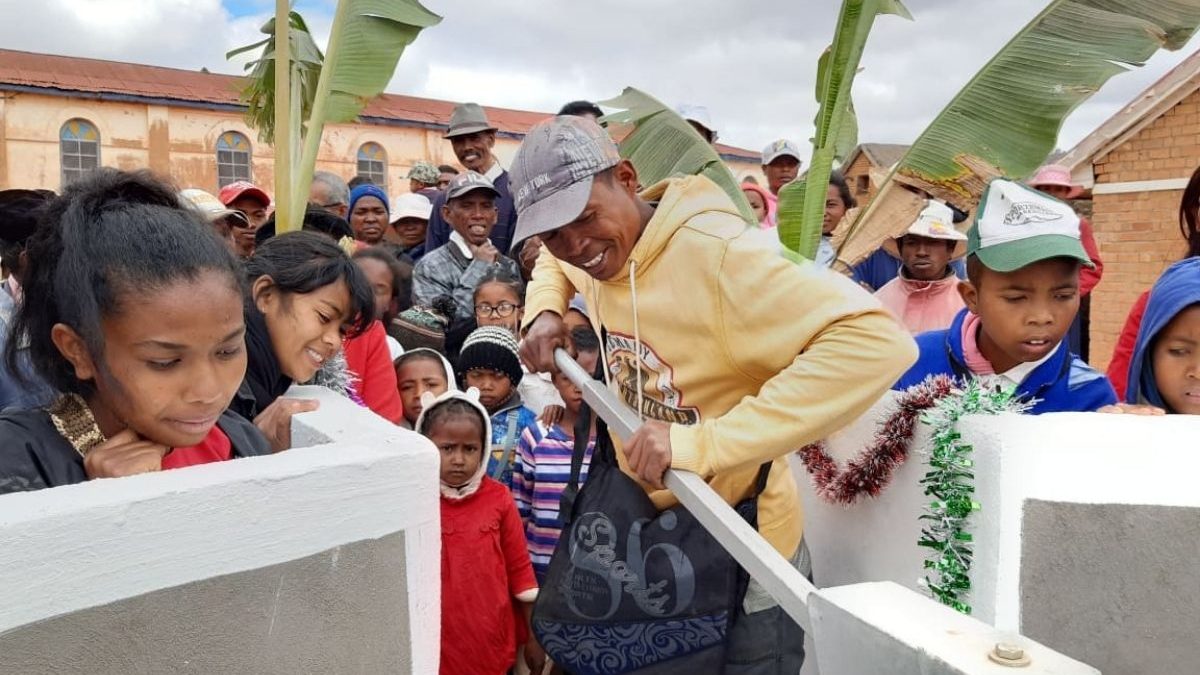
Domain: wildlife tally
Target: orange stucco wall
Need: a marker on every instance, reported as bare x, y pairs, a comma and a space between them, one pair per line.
181, 142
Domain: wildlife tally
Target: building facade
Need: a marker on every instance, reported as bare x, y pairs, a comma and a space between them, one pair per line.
60, 116
1137, 165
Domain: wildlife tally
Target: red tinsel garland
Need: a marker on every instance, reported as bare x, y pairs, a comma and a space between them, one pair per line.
872, 469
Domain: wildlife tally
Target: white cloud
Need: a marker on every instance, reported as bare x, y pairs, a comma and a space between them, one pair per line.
752, 64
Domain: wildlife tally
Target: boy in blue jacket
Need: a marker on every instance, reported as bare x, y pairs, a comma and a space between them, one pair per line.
1022, 293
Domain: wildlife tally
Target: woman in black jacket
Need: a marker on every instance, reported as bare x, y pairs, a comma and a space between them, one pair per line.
133, 309
305, 296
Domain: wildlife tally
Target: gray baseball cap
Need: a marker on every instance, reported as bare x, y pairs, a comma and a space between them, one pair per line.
551, 176
469, 181
467, 118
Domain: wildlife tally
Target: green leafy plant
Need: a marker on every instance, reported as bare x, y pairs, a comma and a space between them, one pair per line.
1006, 120
365, 44
802, 202
259, 93
662, 144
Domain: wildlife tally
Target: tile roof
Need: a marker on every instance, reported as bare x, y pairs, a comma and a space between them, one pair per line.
100, 78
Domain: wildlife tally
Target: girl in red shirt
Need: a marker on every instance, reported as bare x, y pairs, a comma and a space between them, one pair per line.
488, 587
133, 313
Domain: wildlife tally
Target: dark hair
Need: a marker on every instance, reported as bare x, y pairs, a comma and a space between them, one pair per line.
393, 265
111, 235
584, 339
446, 168
837, 180
302, 262
419, 355
1187, 214
359, 180
581, 108
450, 408
499, 275
19, 213
316, 219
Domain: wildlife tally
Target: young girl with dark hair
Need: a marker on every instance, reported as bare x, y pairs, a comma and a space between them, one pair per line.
305, 296
138, 325
418, 371
1118, 367
488, 587
838, 201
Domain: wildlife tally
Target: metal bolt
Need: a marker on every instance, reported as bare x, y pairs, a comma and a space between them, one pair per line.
1010, 655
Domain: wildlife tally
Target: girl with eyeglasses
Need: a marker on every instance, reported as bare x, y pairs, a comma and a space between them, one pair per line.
499, 301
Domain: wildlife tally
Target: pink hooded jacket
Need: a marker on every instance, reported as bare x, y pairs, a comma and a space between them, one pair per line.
922, 306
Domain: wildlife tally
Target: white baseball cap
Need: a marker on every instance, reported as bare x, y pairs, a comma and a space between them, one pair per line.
209, 206
410, 205
780, 148
1016, 226
699, 115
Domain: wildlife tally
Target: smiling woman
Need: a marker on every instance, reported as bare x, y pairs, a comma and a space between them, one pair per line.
306, 295
133, 312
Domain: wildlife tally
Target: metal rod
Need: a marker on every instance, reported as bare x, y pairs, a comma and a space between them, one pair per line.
764, 564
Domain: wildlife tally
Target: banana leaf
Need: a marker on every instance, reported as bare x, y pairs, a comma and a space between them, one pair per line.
259, 92
1006, 120
661, 144
365, 44
802, 203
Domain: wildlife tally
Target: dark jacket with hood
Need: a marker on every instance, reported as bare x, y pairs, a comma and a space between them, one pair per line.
34, 456
264, 381
1177, 289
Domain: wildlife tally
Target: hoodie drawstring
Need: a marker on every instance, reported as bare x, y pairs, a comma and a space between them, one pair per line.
637, 337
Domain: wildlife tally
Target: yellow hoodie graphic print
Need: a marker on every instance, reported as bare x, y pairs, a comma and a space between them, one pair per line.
747, 354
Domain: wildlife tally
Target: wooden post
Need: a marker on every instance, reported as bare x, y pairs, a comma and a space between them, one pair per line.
284, 184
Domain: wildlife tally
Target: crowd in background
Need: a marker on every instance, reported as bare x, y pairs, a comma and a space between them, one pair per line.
135, 341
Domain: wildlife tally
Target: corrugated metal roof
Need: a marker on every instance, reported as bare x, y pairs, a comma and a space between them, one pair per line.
100, 78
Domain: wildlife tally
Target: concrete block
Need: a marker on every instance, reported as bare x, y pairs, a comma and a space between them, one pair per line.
884, 628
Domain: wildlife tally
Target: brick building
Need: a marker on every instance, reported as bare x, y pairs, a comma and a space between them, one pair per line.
867, 163
1136, 165
60, 116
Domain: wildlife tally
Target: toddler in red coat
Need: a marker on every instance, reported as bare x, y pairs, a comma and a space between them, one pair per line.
488, 587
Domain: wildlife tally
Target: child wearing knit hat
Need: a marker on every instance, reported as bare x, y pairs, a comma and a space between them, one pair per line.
489, 362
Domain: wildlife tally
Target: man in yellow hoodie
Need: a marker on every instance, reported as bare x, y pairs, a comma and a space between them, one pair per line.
733, 354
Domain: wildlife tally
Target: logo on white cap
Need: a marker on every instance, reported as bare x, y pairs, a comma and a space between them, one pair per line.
1011, 212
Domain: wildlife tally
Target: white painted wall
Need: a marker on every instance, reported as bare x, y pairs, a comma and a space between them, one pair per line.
86, 545
1083, 458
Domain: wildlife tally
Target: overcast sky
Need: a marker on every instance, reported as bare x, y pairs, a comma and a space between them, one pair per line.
752, 62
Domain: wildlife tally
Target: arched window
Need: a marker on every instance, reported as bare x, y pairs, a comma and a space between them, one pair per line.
233, 158
372, 163
79, 149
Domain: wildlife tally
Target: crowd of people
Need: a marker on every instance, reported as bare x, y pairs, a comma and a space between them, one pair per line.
147, 328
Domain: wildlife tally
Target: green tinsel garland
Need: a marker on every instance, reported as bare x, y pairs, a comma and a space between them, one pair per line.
951, 482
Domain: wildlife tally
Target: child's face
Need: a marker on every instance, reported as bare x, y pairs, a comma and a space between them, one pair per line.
757, 203
472, 216
571, 395
382, 285
1177, 362
173, 359
413, 379
459, 440
1024, 314
306, 328
494, 387
497, 304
